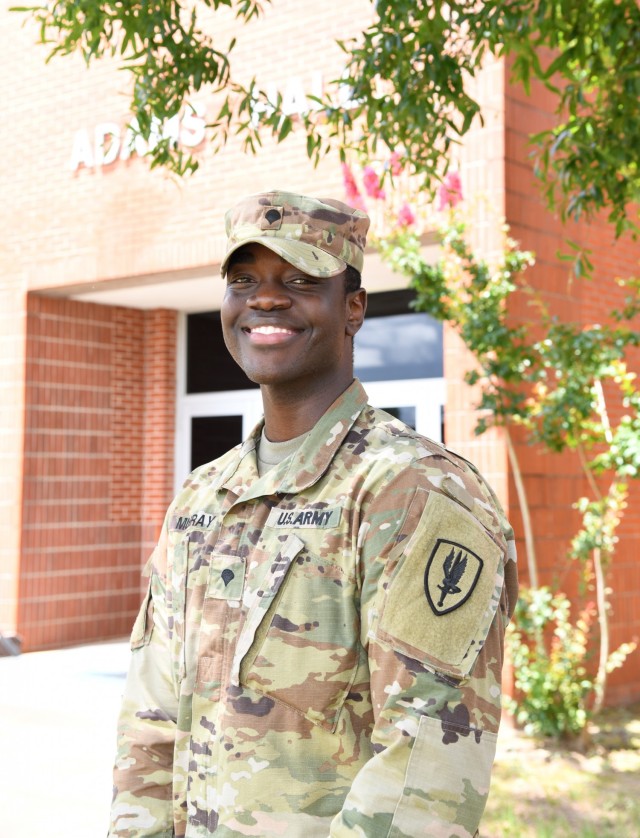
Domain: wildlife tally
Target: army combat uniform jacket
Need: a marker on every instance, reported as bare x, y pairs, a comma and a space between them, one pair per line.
320, 649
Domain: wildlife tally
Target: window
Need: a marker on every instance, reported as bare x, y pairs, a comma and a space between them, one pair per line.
396, 343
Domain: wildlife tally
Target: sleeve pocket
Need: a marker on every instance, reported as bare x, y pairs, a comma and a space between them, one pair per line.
447, 780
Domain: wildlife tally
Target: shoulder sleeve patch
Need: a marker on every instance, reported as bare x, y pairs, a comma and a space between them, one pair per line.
444, 593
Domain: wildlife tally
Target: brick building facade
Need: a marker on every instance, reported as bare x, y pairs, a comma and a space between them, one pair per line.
101, 265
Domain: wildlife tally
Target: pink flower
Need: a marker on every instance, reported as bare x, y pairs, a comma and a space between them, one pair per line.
350, 185
406, 218
449, 191
351, 188
395, 163
372, 183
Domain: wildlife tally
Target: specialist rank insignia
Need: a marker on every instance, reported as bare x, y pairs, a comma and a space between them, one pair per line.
451, 575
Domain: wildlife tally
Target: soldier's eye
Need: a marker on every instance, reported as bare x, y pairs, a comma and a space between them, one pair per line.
239, 279
303, 280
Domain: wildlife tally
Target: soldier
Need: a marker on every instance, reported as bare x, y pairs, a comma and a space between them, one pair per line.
320, 649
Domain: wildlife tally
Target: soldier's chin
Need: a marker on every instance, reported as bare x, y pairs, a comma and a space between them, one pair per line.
267, 377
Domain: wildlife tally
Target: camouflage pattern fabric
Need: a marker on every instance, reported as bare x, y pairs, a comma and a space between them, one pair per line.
321, 236
320, 649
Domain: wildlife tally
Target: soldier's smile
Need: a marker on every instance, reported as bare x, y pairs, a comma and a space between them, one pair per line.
270, 335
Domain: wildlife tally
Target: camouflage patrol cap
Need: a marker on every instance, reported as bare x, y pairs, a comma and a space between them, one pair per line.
318, 235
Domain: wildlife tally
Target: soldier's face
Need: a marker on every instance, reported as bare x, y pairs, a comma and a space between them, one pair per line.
283, 326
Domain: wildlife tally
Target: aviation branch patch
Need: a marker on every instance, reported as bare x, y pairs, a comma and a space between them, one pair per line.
451, 575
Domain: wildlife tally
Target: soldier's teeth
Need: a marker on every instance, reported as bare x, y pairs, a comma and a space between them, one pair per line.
271, 330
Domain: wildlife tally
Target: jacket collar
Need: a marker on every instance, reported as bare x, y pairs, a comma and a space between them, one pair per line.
308, 464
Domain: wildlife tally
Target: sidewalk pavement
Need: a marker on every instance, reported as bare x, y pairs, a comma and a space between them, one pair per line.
58, 713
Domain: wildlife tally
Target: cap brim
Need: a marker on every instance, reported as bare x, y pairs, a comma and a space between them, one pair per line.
306, 257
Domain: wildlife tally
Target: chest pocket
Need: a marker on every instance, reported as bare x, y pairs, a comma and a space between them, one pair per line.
214, 596
304, 649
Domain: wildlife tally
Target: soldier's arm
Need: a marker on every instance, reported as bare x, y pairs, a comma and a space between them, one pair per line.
436, 598
143, 772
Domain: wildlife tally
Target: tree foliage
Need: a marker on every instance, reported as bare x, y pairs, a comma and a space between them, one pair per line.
549, 377
409, 73
585, 54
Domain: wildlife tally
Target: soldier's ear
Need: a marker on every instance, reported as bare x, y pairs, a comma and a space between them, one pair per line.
356, 303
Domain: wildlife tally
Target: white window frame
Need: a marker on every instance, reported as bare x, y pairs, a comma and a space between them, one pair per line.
427, 395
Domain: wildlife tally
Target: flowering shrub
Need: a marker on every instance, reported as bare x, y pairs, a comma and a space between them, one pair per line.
449, 191
406, 217
395, 163
353, 194
399, 209
554, 387
372, 184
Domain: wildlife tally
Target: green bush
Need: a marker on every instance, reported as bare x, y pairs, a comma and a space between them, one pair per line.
549, 655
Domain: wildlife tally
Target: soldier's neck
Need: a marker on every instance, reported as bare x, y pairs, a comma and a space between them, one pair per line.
291, 413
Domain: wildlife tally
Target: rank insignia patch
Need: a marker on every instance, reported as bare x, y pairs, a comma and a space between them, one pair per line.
451, 575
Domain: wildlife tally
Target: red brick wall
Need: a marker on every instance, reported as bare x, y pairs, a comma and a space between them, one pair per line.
555, 481
481, 162
158, 441
99, 429
618, 259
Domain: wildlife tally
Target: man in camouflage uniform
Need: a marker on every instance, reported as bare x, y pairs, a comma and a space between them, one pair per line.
320, 649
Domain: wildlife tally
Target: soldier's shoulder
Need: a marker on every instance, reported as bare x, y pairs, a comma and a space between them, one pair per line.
383, 431
417, 460
203, 477
209, 471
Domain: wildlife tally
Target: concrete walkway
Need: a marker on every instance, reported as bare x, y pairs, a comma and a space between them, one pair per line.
58, 714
